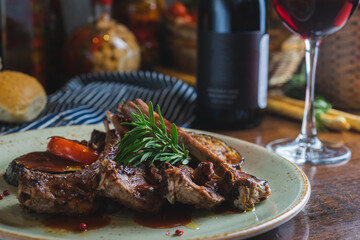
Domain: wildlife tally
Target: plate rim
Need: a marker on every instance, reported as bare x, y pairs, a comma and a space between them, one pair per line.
290, 212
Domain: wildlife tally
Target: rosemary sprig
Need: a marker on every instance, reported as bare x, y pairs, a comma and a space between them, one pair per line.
147, 141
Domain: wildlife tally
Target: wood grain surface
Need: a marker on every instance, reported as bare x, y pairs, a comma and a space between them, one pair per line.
333, 211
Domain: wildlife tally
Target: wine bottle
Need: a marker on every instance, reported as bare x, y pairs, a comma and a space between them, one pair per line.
232, 64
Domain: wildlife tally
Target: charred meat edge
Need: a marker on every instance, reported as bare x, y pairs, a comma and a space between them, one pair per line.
220, 149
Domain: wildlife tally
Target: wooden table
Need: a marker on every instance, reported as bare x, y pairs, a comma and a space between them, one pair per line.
333, 211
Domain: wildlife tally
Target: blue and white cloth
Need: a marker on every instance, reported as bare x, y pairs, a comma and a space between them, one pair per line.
84, 99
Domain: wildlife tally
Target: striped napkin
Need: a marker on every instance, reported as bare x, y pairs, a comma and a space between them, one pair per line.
84, 99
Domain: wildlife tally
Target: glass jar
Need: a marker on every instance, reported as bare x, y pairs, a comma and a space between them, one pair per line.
102, 46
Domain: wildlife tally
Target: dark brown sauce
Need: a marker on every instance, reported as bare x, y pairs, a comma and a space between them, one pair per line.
72, 223
168, 217
46, 161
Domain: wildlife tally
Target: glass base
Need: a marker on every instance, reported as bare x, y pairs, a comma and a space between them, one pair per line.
315, 152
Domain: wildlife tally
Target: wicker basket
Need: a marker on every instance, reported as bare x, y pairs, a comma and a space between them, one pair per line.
338, 71
284, 62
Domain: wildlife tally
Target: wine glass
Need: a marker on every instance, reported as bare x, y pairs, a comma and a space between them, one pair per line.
312, 20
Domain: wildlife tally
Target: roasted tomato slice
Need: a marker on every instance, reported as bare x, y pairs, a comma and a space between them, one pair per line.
71, 150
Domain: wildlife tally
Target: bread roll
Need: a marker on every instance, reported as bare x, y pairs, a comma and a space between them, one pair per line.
22, 97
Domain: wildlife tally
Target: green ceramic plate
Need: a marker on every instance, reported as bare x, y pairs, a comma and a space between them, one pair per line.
290, 192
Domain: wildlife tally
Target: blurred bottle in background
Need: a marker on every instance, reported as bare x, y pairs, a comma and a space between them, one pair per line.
33, 39
35, 35
55, 37
143, 18
25, 37
232, 63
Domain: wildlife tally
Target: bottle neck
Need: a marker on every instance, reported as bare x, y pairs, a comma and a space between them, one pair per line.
224, 16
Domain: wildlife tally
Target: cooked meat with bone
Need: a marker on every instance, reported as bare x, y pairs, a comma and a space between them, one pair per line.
195, 147
67, 194
50, 163
213, 176
128, 186
97, 141
177, 185
242, 189
72, 193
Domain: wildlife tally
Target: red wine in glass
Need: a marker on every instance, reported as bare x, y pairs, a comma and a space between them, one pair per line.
313, 19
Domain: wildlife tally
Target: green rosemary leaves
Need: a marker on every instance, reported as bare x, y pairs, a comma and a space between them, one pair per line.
149, 141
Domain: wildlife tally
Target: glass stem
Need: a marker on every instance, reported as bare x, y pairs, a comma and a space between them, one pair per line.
308, 128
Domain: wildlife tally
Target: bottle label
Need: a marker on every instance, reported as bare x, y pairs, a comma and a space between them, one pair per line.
232, 70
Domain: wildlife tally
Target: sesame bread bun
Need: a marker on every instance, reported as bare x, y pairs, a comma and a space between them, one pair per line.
22, 97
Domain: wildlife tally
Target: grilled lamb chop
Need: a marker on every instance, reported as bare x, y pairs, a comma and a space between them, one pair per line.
72, 193
241, 189
195, 147
50, 163
67, 194
128, 186
178, 185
